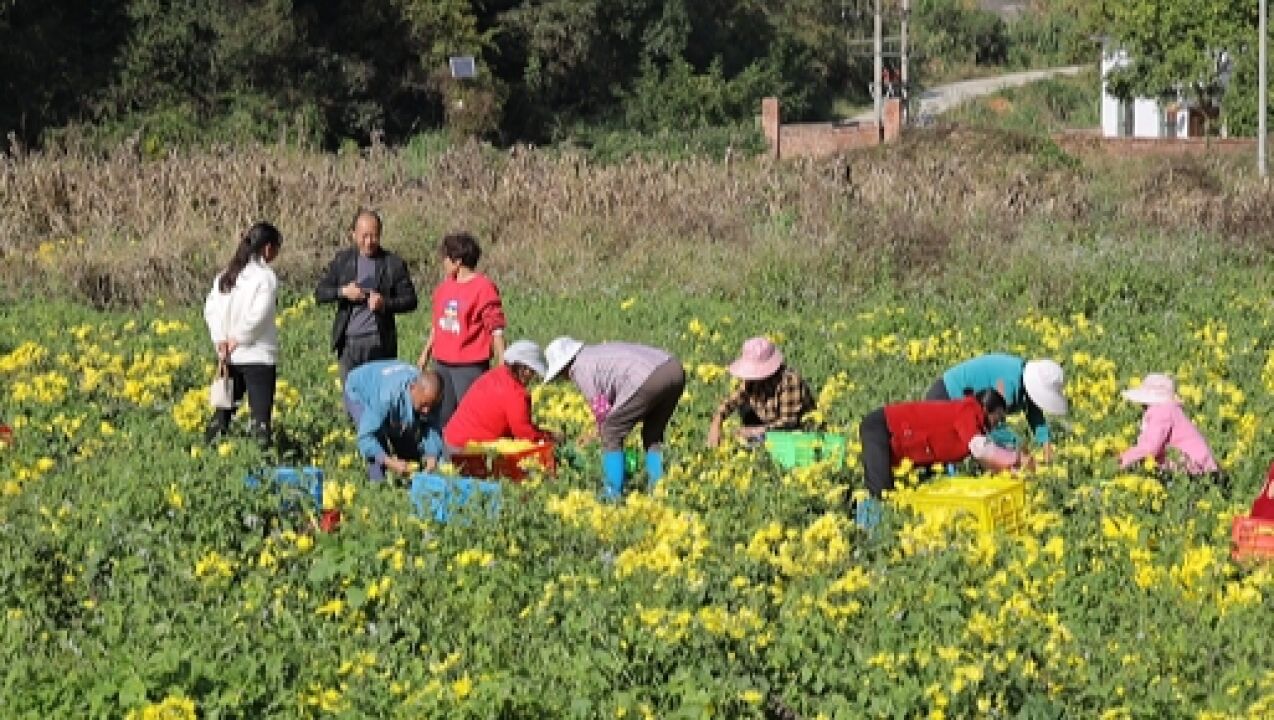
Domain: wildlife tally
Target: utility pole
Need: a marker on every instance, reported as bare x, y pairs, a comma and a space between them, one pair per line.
903, 58
1262, 93
878, 51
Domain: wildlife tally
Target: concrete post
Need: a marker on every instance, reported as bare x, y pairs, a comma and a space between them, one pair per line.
904, 59
770, 122
893, 119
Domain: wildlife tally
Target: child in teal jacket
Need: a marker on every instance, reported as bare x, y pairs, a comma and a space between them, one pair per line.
1036, 387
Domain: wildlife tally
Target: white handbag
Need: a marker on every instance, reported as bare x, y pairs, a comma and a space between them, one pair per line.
221, 391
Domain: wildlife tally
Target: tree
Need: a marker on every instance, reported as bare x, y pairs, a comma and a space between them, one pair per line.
1240, 103
56, 59
1174, 45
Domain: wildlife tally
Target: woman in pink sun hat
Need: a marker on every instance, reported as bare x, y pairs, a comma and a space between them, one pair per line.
773, 395
1165, 425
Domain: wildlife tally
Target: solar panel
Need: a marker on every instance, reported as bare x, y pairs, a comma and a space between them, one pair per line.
464, 67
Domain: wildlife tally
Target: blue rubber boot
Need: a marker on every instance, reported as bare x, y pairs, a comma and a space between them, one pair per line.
613, 470
654, 467
867, 514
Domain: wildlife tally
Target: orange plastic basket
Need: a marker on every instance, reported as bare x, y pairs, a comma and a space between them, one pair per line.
1252, 538
511, 466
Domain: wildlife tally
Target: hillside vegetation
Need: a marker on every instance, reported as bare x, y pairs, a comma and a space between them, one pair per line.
949, 210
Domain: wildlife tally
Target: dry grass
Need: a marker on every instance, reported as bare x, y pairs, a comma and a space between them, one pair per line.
119, 230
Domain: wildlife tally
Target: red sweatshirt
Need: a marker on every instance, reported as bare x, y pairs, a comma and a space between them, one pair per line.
465, 314
496, 406
933, 431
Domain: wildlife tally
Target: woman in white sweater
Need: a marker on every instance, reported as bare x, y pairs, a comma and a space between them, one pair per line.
240, 315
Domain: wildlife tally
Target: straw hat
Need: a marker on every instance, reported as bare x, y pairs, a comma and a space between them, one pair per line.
1046, 386
525, 352
1155, 389
559, 354
758, 360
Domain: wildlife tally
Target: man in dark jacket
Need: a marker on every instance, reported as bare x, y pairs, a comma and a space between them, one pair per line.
369, 285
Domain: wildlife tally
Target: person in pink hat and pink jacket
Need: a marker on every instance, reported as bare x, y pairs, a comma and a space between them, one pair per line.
773, 395
1164, 427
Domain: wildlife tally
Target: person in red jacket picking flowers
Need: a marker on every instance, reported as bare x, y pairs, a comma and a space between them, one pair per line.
498, 404
466, 333
934, 431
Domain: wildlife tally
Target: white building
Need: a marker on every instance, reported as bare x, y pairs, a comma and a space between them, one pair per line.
1142, 117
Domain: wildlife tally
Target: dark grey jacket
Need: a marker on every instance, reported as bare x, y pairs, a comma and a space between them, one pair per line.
392, 281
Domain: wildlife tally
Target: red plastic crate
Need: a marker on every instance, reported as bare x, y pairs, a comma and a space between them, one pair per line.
1252, 538
504, 465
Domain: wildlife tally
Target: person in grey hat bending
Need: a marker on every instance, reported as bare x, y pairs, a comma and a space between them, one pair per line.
498, 404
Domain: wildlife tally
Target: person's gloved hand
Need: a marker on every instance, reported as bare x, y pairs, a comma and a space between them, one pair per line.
601, 408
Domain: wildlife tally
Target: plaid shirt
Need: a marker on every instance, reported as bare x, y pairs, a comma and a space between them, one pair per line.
779, 401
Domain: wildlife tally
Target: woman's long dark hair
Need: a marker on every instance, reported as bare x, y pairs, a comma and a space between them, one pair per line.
254, 241
991, 400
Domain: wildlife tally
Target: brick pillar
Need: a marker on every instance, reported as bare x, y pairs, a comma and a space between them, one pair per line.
770, 124
893, 119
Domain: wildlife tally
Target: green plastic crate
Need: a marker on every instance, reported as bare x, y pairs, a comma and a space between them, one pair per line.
799, 449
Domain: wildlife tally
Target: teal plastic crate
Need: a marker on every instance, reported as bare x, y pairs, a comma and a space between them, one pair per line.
439, 496
296, 487
800, 449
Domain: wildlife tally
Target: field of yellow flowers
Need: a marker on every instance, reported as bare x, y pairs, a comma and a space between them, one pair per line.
141, 578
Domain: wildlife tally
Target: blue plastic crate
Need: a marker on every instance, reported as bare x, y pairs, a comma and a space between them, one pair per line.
294, 486
438, 496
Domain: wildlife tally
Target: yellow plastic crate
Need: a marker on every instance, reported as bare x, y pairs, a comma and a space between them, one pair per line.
994, 503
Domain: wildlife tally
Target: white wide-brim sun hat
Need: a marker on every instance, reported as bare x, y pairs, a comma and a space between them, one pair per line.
525, 352
1155, 389
559, 354
1045, 385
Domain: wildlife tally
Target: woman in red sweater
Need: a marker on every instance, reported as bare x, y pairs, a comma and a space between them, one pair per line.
498, 404
466, 333
933, 431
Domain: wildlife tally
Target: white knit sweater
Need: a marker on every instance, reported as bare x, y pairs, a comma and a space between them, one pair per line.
246, 314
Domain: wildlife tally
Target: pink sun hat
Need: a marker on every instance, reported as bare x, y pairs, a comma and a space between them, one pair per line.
759, 359
1155, 389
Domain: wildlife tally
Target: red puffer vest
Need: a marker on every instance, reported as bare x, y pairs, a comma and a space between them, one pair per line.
933, 431
1264, 505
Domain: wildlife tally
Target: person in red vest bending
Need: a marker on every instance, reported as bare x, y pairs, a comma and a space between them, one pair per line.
934, 431
498, 404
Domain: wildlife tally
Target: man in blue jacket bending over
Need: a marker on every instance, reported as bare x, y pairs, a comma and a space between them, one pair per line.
392, 404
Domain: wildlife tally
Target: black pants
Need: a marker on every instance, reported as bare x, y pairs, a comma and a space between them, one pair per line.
877, 458
938, 391
456, 380
258, 382
359, 350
